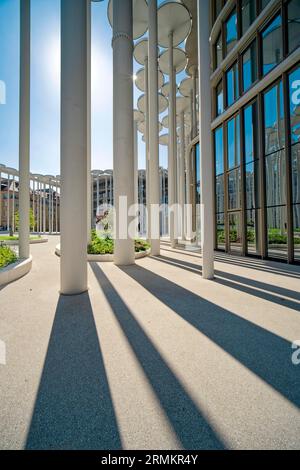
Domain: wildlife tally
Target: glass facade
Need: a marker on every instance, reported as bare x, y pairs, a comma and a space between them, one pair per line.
257, 144
257, 174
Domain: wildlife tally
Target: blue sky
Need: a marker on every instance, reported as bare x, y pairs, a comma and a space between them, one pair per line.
45, 89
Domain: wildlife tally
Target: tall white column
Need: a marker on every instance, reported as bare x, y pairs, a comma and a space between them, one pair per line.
44, 208
135, 171
182, 174
123, 128
153, 129
33, 203
24, 129
8, 204
147, 139
74, 137
195, 120
172, 145
206, 161
89, 117
13, 204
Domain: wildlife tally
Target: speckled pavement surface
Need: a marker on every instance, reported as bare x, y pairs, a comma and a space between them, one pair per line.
152, 357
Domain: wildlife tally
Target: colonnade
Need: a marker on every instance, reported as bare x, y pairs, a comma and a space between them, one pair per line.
75, 128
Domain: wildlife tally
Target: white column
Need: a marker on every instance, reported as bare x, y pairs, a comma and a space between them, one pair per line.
1, 199
24, 129
195, 120
206, 161
74, 136
147, 137
56, 207
49, 207
8, 205
123, 128
33, 202
172, 145
182, 174
89, 119
44, 208
135, 172
153, 129
13, 205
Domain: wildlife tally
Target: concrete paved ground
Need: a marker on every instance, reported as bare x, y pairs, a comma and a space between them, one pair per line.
152, 356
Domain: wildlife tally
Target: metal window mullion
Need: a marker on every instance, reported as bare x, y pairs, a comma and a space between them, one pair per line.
262, 177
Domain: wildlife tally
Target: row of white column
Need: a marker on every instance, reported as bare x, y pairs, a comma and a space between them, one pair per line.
75, 135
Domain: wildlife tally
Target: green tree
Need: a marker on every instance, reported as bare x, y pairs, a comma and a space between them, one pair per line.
31, 220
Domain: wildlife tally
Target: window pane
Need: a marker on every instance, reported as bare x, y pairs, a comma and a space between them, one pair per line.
274, 119
235, 232
220, 231
294, 83
253, 232
219, 47
294, 24
220, 193
250, 133
234, 189
231, 31
296, 215
277, 232
219, 151
233, 142
220, 99
248, 14
252, 185
272, 44
264, 3
249, 66
232, 80
276, 179
296, 173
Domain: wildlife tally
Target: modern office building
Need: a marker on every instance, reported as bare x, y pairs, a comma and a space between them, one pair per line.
255, 84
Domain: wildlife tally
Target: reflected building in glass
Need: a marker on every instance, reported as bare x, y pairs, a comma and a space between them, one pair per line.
255, 83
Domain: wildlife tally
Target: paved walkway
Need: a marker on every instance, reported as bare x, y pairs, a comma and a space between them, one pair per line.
152, 357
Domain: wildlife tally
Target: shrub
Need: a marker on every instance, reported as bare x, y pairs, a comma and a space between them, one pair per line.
7, 256
105, 245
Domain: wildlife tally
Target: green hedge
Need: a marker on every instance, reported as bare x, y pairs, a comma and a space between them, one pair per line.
7, 256
105, 245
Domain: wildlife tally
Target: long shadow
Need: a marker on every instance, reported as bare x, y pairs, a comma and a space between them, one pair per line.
191, 428
249, 286
262, 352
73, 408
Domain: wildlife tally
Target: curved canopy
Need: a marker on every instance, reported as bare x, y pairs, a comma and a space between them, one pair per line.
173, 17
140, 17
140, 79
162, 103
179, 58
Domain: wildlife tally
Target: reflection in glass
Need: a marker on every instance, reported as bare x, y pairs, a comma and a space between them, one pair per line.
233, 142
235, 232
294, 85
231, 31
272, 44
220, 222
232, 82
296, 217
248, 13
294, 24
220, 98
274, 119
219, 161
252, 185
250, 133
276, 179
220, 193
234, 189
219, 50
253, 232
249, 66
296, 173
277, 232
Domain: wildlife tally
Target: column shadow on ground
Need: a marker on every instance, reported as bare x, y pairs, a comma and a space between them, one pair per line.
262, 352
253, 287
74, 408
187, 421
